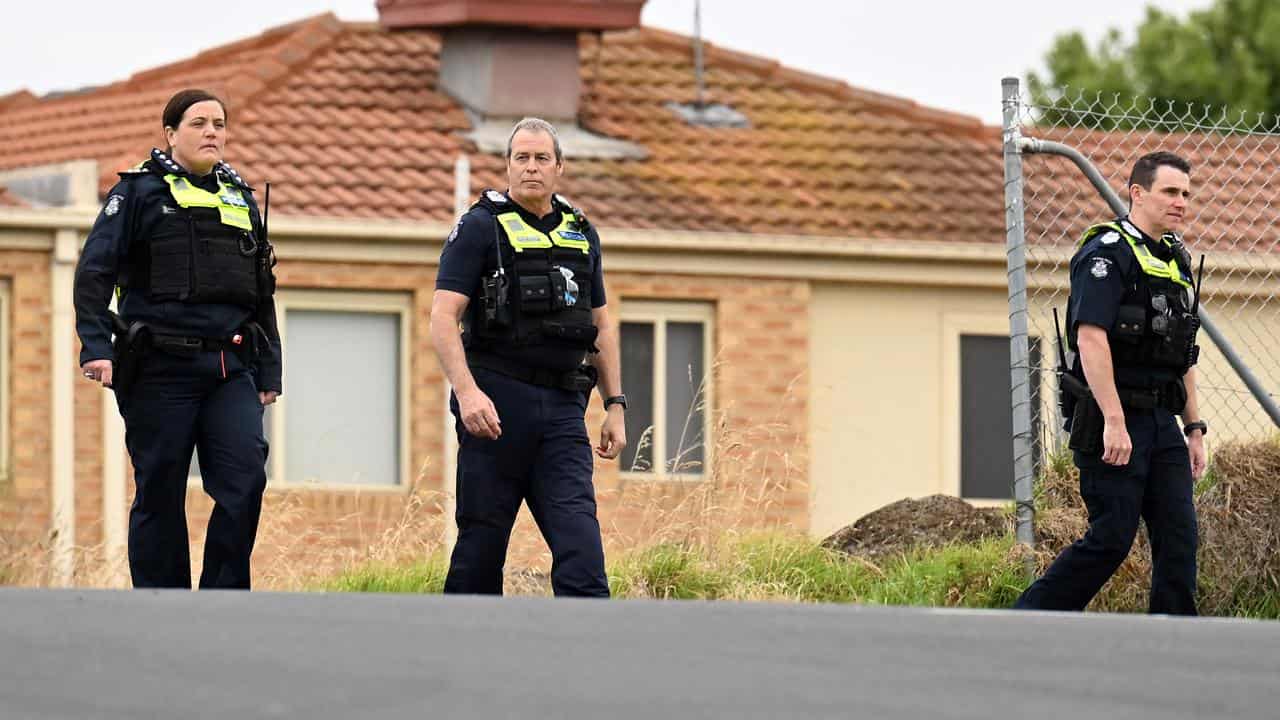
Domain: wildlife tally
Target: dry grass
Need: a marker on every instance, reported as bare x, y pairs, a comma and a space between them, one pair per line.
755, 470
1238, 504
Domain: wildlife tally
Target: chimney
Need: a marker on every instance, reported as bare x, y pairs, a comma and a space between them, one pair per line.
506, 59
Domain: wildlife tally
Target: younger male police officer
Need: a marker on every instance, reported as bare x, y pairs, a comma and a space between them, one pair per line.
521, 272
197, 352
1131, 319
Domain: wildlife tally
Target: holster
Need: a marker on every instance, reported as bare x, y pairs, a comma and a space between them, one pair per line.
1086, 421
1087, 425
131, 343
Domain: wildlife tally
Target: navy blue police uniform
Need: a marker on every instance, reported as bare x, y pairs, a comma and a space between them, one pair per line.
1139, 289
195, 342
532, 283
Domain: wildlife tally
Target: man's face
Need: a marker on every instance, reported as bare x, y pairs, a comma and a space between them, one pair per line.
1163, 208
532, 168
200, 137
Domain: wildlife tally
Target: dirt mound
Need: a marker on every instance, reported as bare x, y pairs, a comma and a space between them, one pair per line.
927, 522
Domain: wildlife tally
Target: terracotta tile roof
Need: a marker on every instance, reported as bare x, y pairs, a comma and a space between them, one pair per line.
1235, 201
344, 120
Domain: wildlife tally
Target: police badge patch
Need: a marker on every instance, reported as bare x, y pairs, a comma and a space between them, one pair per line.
1100, 268
113, 205
453, 234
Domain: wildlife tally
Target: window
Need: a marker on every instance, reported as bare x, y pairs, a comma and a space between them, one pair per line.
665, 374
986, 420
343, 418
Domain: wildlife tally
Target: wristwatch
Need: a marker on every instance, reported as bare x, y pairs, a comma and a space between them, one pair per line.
616, 400
1200, 425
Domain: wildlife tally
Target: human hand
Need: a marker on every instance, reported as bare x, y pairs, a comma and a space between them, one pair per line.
613, 434
1116, 445
1199, 459
479, 416
98, 371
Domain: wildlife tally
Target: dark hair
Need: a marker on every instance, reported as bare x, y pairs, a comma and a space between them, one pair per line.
1144, 171
178, 104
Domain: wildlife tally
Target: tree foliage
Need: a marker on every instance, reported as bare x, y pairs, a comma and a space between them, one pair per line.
1210, 67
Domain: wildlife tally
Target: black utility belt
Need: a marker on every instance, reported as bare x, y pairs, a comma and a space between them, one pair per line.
186, 345
581, 378
1167, 397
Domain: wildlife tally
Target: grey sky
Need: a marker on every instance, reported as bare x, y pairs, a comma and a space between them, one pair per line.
948, 55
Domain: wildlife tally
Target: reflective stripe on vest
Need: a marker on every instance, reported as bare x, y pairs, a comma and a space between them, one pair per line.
522, 237
233, 209
1151, 265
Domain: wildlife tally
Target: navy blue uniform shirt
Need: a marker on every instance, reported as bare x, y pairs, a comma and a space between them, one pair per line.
473, 246
1102, 270
133, 209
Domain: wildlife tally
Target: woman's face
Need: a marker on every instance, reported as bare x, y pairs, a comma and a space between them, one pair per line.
200, 137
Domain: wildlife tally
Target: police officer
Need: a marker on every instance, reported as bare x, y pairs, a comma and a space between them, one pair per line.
521, 272
1131, 320
196, 355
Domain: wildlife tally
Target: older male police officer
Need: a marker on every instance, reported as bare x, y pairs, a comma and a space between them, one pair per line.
522, 274
1131, 317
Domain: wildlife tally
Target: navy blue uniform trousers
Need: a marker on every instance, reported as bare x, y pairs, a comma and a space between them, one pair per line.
207, 401
1155, 486
543, 457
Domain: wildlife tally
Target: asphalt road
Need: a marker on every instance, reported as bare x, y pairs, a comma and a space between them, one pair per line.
144, 654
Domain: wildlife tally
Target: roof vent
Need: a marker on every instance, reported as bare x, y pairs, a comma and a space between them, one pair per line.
713, 115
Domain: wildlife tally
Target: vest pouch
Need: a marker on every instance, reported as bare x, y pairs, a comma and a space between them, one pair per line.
170, 273
1178, 348
1131, 323
535, 294
1174, 397
584, 335
564, 291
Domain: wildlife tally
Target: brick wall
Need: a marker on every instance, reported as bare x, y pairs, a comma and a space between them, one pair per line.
24, 496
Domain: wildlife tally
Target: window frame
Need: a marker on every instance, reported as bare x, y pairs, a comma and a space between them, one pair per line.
368, 301
659, 313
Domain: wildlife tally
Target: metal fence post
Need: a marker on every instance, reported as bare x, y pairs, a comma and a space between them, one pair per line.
1019, 351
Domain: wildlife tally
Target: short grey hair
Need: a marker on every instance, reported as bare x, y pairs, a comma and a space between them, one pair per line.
536, 125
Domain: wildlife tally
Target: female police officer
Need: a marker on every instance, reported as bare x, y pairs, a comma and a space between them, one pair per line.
197, 352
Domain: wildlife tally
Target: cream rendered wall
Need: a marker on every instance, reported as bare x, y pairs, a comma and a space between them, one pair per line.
1252, 325
884, 411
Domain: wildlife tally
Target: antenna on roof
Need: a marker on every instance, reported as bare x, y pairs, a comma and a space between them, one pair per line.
697, 52
701, 113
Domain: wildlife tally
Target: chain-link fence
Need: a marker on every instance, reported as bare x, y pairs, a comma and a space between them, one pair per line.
1234, 221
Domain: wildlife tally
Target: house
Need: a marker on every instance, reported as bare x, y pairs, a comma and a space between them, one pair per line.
810, 278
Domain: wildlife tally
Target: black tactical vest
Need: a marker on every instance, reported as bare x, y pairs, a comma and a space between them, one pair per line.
1154, 337
204, 250
536, 291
